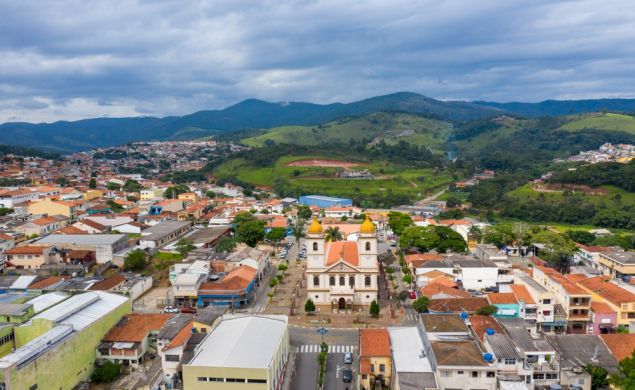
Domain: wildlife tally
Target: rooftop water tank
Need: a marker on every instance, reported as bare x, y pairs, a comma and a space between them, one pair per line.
464, 315
488, 357
490, 331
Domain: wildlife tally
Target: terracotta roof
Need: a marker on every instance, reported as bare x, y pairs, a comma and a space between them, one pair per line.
346, 250
374, 342
44, 283
480, 324
602, 286
458, 353
601, 308
568, 285
135, 327
70, 230
108, 283
435, 289
5, 237
237, 279
457, 305
521, 293
422, 257
45, 221
26, 250
93, 224
621, 345
575, 278
181, 337
502, 298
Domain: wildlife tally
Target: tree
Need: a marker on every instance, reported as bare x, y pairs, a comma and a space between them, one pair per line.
5, 211
424, 238
333, 234
625, 378
184, 246
114, 206
113, 186
273, 282
132, 185
210, 194
106, 373
398, 222
487, 310
297, 231
92, 183
407, 279
242, 217
309, 306
557, 249
61, 181
304, 212
374, 308
453, 201
599, 376
225, 244
251, 232
449, 240
276, 234
173, 192
135, 260
420, 305
475, 233
581, 236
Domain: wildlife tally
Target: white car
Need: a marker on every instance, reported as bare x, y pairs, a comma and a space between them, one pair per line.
170, 309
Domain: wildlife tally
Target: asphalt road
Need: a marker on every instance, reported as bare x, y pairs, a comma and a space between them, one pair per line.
306, 366
334, 367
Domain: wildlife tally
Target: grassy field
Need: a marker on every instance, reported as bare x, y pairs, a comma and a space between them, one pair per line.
625, 198
387, 126
602, 121
416, 182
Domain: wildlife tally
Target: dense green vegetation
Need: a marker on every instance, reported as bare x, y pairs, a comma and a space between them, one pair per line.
27, 152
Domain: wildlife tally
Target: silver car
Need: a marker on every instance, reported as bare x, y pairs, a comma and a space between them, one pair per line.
348, 358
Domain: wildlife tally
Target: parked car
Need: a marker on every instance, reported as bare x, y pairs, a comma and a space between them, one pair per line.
170, 309
188, 310
348, 358
412, 294
347, 375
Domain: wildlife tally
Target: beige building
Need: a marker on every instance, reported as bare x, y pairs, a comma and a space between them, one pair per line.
375, 358
342, 274
53, 207
241, 352
27, 257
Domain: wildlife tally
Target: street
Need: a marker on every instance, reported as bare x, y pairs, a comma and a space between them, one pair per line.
307, 341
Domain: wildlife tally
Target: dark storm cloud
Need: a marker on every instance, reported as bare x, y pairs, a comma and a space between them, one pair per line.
74, 59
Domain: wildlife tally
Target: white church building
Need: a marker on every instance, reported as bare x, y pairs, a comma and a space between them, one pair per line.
342, 274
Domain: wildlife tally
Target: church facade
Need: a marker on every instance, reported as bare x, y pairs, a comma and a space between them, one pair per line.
342, 274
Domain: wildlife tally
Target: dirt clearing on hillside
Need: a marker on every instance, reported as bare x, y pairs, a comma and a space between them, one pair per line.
316, 162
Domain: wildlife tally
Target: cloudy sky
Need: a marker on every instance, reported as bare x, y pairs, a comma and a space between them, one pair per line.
77, 59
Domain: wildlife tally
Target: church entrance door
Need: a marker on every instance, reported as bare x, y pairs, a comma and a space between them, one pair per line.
341, 304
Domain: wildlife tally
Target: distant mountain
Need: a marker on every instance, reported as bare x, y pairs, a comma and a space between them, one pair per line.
252, 113
563, 107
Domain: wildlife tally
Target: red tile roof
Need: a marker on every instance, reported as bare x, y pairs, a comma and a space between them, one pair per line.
521, 293
601, 308
44, 283
433, 289
621, 345
568, 285
26, 250
480, 324
237, 279
457, 305
346, 250
135, 327
374, 342
108, 283
502, 298
602, 286
181, 337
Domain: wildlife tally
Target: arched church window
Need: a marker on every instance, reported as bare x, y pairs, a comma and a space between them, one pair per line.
342, 281
367, 281
316, 281
368, 247
332, 281
351, 281
315, 246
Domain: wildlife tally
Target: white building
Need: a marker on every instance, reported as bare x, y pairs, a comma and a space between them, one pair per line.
472, 273
342, 274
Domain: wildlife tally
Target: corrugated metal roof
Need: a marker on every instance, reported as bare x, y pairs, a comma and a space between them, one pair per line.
502, 346
45, 301
81, 239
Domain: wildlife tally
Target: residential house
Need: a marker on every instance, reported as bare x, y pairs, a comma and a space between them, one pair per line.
412, 369
42, 226
621, 345
237, 288
12, 198
132, 338
164, 233
603, 318
471, 273
28, 257
104, 245
457, 305
91, 227
549, 316
574, 300
506, 303
241, 351
375, 358
617, 263
173, 339
206, 319
619, 299
588, 255
48, 206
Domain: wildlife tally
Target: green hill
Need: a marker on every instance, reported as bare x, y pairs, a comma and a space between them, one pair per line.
601, 121
389, 127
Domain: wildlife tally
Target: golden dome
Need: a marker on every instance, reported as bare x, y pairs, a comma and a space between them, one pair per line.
315, 227
367, 227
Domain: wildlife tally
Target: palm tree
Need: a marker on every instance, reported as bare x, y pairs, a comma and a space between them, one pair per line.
333, 234
297, 230
476, 233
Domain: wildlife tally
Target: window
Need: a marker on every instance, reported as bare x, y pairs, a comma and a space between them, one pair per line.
315, 246
364, 376
332, 281
203, 330
491, 374
316, 281
351, 281
172, 358
551, 375
460, 372
368, 247
342, 281
474, 374
372, 368
446, 373
256, 381
367, 281
382, 368
546, 301
509, 361
202, 379
480, 280
235, 380
546, 312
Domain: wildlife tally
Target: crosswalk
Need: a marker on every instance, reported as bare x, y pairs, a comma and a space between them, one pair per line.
315, 348
411, 316
258, 308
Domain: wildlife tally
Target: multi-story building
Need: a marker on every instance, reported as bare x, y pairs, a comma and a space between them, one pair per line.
546, 318
617, 263
603, 290
375, 359
241, 352
588, 255
342, 274
575, 301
